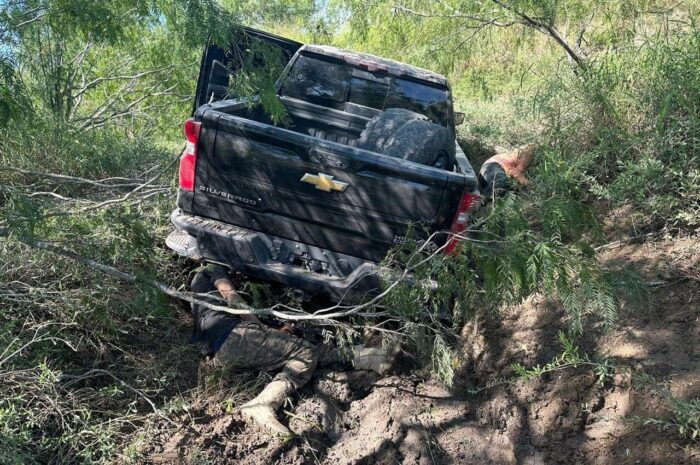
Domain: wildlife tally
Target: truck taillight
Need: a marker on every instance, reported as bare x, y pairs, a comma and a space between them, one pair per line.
188, 160
467, 204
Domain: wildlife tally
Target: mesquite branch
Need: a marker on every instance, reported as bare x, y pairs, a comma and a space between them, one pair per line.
138, 192
280, 311
504, 14
545, 28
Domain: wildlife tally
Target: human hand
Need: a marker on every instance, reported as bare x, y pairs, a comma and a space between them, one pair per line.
288, 328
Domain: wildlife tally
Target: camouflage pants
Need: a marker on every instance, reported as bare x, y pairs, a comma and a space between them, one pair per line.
254, 346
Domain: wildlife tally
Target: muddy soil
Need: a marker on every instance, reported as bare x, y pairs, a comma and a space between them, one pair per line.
565, 417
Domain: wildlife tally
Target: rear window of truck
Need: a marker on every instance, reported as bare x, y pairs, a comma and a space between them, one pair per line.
333, 84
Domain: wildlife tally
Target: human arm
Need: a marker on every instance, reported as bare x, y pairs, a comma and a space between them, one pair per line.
234, 299
520, 177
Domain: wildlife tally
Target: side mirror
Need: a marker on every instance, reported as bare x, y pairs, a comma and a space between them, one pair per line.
459, 118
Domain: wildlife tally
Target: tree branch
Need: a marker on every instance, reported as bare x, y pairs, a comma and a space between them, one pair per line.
281, 311
548, 29
99, 372
132, 77
73, 179
30, 21
482, 20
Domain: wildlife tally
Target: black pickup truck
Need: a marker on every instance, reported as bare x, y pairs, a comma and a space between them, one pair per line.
369, 152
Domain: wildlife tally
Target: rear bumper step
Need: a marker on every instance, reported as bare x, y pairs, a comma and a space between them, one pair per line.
264, 256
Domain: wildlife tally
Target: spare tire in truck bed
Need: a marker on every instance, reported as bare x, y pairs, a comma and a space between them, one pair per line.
405, 134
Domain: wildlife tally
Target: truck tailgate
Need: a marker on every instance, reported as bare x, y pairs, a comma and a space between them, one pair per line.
277, 181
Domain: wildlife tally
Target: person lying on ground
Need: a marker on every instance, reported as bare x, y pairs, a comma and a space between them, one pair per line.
245, 343
497, 173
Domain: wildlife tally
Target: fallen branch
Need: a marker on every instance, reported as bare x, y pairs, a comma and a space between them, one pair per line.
99, 372
291, 314
281, 311
36, 338
137, 187
72, 179
631, 240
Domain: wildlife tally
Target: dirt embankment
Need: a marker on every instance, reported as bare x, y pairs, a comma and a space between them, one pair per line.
564, 417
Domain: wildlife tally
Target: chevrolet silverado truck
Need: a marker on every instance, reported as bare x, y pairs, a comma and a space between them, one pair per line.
368, 153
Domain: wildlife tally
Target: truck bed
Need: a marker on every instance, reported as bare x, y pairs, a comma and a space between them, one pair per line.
305, 118
249, 173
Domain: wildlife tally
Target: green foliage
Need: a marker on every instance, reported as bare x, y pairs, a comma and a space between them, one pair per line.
443, 360
684, 419
98, 90
500, 264
59, 321
13, 99
260, 66
296, 14
617, 131
514, 260
93, 62
95, 91
570, 357
684, 415
620, 129
660, 173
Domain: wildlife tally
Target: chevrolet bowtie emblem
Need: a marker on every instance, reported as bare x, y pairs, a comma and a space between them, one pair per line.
324, 182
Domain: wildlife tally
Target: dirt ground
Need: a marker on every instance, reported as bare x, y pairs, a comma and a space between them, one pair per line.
564, 417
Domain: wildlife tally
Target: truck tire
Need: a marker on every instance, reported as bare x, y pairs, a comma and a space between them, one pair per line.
408, 135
